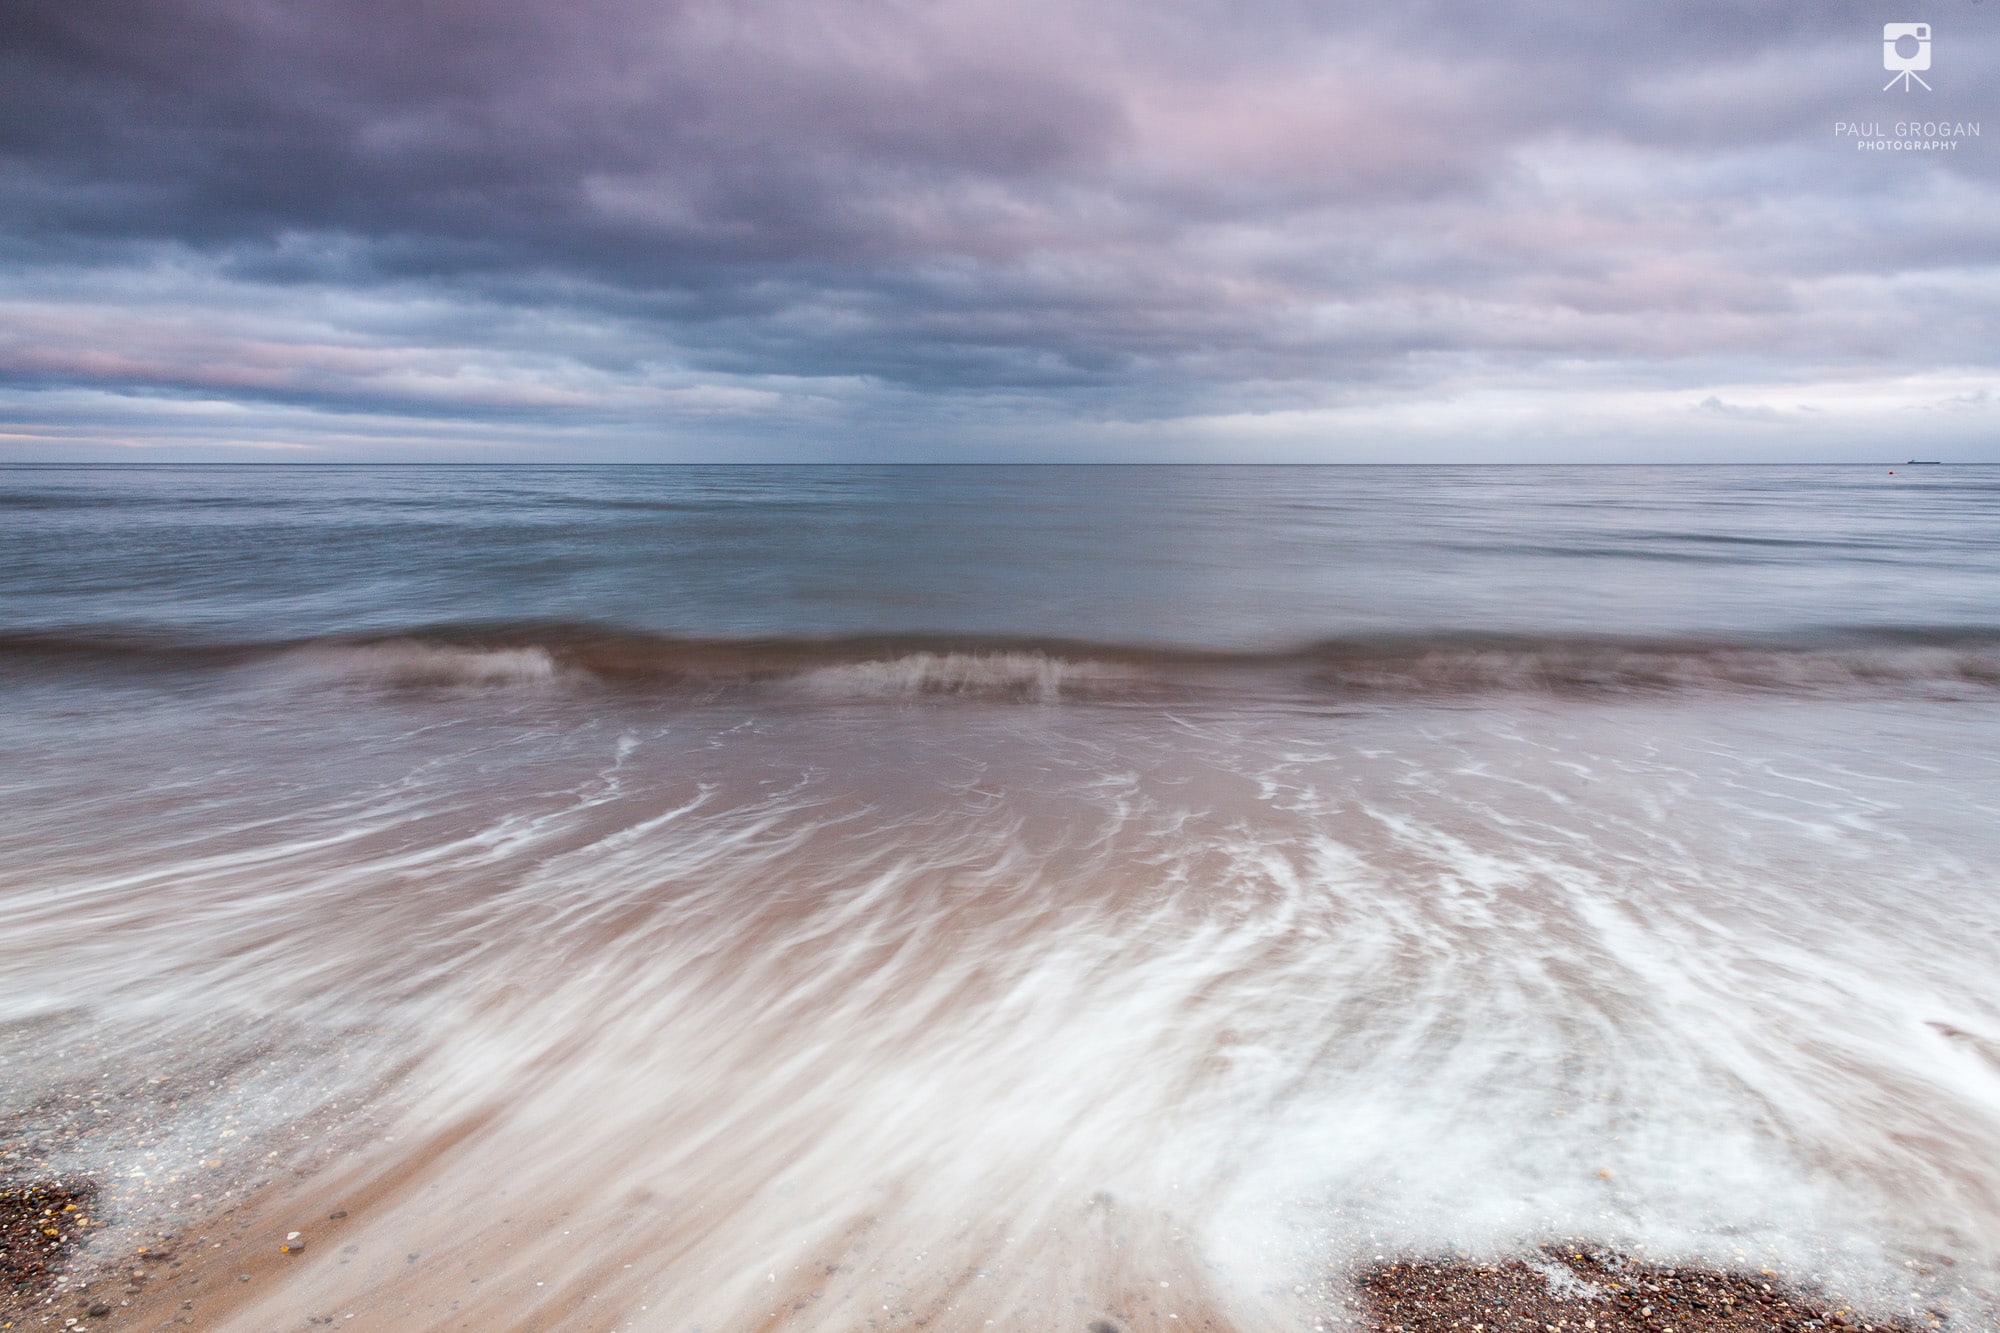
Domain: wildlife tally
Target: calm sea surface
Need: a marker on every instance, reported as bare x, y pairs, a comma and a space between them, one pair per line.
1199, 557
791, 897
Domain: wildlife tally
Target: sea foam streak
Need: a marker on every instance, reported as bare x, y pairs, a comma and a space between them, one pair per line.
802, 1017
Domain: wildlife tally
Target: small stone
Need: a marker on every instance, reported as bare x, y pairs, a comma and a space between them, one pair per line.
98, 1311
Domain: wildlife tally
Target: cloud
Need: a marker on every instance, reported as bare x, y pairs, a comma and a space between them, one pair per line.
808, 227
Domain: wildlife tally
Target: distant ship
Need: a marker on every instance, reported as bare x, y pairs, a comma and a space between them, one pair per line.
1923, 462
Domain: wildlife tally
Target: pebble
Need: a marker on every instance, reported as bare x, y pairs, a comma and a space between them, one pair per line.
1617, 1293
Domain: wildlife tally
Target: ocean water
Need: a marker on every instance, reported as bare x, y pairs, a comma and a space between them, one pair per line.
834, 898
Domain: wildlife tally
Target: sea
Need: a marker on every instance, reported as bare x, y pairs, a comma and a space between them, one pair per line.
724, 898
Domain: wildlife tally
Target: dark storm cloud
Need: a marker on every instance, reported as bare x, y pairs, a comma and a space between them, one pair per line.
611, 217
638, 138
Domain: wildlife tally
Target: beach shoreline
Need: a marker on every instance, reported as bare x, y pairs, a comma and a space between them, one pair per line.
648, 898
230, 1268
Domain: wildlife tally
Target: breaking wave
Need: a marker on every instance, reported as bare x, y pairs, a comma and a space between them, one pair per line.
414, 664
1027, 676
1921, 663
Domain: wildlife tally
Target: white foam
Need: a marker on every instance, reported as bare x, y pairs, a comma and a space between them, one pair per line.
1034, 677
1067, 998
412, 663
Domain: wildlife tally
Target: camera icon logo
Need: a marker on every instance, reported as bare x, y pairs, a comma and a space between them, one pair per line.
1906, 48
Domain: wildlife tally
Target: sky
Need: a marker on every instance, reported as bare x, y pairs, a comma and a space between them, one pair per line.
974, 230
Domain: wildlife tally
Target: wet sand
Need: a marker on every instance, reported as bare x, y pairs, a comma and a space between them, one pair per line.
261, 1265
250, 1265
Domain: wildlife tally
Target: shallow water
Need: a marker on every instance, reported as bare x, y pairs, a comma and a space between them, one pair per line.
1012, 890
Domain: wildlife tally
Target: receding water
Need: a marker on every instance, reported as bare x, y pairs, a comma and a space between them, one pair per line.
747, 898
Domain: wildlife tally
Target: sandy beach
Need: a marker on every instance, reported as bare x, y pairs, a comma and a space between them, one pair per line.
249, 1267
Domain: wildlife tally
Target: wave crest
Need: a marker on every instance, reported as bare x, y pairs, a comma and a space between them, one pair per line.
414, 664
1600, 668
1026, 676
1911, 663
